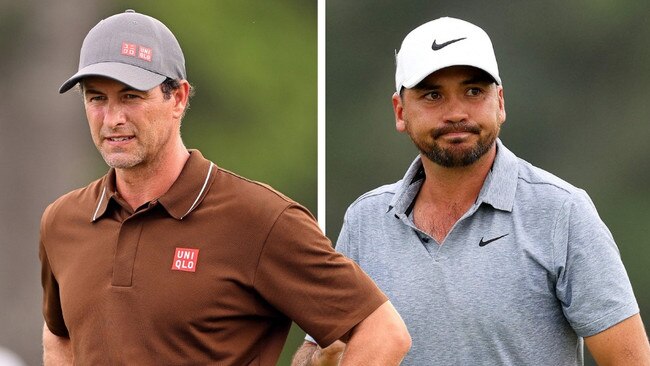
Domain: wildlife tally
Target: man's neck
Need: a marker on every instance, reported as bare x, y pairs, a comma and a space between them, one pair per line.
447, 193
147, 182
457, 184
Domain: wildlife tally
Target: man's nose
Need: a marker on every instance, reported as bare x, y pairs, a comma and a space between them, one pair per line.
455, 110
114, 115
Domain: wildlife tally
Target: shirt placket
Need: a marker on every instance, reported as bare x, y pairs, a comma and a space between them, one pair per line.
126, 248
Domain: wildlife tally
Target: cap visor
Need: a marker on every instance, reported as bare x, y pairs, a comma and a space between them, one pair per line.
422, 74
133, 76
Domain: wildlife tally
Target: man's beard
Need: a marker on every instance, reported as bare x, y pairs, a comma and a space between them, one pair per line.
122, 161
120, 157
453, 156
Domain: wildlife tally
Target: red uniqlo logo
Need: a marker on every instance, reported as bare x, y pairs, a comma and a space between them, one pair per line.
185, 259
145, 53
128, 49
135, 50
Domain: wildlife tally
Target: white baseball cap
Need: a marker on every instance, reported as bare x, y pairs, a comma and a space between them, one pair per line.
442, 43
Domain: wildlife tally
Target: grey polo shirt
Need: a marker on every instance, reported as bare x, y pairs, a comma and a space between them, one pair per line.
526, 272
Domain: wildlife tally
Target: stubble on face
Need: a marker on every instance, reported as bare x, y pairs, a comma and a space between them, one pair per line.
120, 159
455, 155
116, 156
136, 131
457, 137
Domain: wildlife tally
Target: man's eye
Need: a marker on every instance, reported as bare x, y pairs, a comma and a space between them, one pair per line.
96, 98
473, 92
433, 96
131, 96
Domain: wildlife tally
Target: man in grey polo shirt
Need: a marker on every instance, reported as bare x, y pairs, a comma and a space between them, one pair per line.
489, 260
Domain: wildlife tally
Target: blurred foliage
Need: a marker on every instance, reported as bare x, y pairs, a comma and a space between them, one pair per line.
575, 78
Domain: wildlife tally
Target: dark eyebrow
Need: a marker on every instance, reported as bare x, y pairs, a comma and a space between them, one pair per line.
424, 85
482, 78
479, 78
87, 90
130, 89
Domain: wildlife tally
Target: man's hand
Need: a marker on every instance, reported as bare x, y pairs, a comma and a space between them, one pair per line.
57, 351
310, 354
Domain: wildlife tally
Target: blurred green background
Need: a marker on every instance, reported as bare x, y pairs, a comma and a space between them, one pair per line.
576, 81
253, 65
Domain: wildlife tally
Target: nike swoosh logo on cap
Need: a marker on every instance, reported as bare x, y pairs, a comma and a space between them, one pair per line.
435, 46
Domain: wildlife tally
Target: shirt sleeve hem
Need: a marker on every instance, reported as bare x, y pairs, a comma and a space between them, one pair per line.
608, 320
341, 330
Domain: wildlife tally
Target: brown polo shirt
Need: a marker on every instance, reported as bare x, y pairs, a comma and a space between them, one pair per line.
212, 272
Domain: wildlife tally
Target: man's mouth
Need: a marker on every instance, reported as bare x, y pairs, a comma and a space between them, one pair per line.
120, 138
455, 129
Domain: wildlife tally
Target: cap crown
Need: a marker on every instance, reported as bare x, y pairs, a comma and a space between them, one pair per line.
442, 43
132, 48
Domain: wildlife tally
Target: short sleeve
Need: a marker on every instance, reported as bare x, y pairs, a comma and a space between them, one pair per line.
343, 246
301, 275
52, 311
592, 284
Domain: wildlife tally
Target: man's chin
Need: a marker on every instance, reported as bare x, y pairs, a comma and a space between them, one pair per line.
456, 156
121, 161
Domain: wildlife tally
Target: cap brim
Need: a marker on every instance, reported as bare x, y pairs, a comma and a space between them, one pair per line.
423, 73
133, 76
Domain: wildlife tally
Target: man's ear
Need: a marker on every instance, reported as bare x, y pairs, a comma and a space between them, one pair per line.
398, 110
502, 105
181, 96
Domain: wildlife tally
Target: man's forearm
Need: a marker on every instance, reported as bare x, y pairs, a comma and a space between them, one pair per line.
380, 339
625, 343
57, 351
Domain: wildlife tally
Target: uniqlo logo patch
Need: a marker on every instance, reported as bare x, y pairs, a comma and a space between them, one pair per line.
185, 259
129, 49
136, 50
145, 53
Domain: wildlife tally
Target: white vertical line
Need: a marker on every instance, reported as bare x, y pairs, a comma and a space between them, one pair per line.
100, 203
205, 183
321, 116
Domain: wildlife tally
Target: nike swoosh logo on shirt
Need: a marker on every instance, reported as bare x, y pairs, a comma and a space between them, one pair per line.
486, 242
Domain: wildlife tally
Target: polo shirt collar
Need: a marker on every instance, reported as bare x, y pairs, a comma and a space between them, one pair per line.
498, 189
408, 187
500, 185
187, 192
106, 193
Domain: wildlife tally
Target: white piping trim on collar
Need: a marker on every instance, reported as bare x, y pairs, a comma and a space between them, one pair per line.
99, 204
207, 177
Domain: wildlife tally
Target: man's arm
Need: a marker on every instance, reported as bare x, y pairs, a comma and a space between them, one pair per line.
57, 351
379, 339
625, 343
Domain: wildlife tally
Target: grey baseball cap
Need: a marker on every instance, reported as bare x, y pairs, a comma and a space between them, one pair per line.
132, 48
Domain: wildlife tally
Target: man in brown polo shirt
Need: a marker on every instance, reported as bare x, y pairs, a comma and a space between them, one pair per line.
170, 260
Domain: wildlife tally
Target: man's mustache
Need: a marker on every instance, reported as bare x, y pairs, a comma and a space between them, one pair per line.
456, 127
